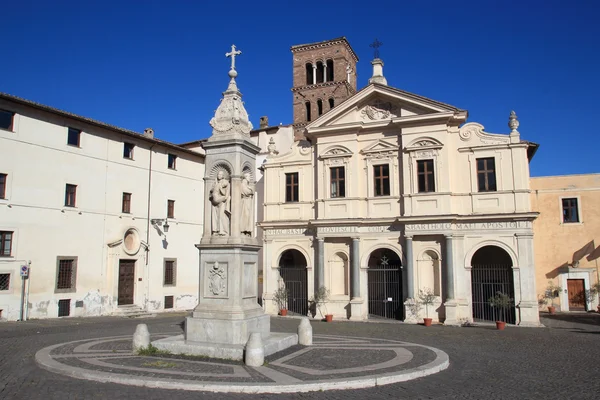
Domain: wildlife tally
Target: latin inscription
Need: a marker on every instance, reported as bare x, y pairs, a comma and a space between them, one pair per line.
469, 226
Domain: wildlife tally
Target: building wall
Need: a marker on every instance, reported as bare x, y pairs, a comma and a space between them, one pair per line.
557, 241
39, 164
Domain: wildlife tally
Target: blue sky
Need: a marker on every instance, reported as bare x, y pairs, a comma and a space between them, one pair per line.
162, 64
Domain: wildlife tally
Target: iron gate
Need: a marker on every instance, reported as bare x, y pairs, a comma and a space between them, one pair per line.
486, 281
385, 290
295, 280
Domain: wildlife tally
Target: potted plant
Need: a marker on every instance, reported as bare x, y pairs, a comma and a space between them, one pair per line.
427, 298
319, 299
594, 292
552, 292
280, 297
499, 303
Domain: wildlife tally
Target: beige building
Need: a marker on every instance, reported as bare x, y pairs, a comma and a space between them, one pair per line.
566, 233
392, 194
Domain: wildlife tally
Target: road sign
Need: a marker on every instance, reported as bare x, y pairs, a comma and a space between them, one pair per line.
24, 271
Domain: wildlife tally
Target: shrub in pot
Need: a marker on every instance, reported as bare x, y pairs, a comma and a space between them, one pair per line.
500, 302
280, 297
427, 298
319, 299
551, 293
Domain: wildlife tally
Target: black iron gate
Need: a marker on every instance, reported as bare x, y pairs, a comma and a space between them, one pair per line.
486, 281
295, 280
385, 290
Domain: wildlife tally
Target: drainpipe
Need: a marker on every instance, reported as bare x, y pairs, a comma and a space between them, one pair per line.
147, 277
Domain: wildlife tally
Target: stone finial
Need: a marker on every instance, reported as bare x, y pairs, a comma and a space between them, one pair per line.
149, 132
264, 121
255, 352
513, 122
141, 337
378, 72
271, 147
231, 119
305, 332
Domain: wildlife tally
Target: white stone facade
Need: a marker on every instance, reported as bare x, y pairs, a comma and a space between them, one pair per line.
95, 233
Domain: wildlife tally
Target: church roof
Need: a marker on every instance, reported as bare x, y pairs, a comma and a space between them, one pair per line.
415, 97
94, 122
325, 43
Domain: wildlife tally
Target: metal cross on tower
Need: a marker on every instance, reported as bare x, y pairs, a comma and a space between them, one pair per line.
232, 54
376, 45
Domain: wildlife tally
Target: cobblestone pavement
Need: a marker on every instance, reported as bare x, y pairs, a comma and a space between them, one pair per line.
517, 363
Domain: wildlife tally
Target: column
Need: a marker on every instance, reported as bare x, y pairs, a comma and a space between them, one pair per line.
525, 281
324, 72
449, 268
354, 269
320, 275
409, 267
236, 200
314, 74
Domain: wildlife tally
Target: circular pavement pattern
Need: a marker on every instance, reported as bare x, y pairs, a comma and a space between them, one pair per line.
332, 362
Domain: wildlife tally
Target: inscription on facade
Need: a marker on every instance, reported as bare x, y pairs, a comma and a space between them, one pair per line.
287, 232
469, 226
336, 229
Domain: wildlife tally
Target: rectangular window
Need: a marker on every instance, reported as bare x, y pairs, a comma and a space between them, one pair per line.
291, 187
382, 179
172, 161
169, 272
66, 273
4, 282
6, 120
425, 176
128, 150
64, 307
338, 182
3, 186
168, 302
126, 205
486, 174
170, 208
73, 137
6, 239
570, 211
70, 195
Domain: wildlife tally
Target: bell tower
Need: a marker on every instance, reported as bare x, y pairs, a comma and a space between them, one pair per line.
324, 76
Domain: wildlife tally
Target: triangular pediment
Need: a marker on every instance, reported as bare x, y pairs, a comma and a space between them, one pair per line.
376, 104
379, 146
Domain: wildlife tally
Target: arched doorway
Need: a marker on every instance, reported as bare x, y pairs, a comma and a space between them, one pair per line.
292, 269
384, 278
491, 272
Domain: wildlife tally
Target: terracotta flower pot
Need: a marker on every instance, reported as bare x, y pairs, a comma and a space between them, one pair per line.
427, 321
551, 309
500, 325
329, 317
283, 312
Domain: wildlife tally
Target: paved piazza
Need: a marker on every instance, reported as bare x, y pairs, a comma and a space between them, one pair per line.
556, 362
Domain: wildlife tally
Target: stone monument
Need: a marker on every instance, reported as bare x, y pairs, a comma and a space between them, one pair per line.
228, 311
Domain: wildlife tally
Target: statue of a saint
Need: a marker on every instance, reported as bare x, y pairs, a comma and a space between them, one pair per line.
247, 214
219, 198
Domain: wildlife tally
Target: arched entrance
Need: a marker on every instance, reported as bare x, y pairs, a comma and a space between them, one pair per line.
491, 272
292, 269
384, 278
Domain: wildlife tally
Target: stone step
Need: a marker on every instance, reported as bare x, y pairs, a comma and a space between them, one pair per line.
131, 311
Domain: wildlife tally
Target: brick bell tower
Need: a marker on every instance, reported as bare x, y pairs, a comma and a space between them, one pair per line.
324, 76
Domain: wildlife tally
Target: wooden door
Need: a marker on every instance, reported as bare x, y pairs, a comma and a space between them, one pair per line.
575, 288
126, 281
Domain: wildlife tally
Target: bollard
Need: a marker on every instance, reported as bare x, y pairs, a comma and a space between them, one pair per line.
255, 353
141, 337
305, 335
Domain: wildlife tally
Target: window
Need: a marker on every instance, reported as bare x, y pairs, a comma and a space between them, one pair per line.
570, 210
170, 208
486, 174
70, 194
168, 302
73, 137
126, 205
172, 161
2, 186
320, 107
329, 70
331, 103
66, 272
425, 176
6, 239
64, 307
382, 179
128, 150
169, 272
4, 282
307, 105
338, 183
291, 187
309, 74
6, 120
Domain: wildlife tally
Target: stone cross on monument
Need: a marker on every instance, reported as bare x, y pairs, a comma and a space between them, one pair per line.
376, 45
232, 54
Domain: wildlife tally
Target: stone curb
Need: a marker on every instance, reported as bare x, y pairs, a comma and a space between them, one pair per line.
441, 363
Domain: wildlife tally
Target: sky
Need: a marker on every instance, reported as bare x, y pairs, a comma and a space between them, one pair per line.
161, 64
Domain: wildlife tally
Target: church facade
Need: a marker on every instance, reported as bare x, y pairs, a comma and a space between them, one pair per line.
389, 196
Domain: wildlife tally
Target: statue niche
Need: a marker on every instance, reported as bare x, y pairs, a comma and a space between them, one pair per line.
247, 212
220, 200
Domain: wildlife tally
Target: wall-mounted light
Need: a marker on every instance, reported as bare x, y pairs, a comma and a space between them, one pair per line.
163, 222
